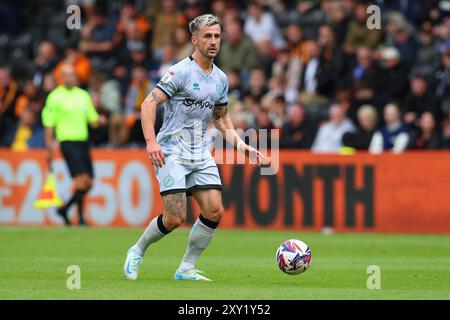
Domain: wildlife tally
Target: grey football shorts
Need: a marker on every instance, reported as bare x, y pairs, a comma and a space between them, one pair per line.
186, 176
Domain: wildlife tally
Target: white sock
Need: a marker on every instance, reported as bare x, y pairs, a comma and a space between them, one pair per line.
154, 232
199, 238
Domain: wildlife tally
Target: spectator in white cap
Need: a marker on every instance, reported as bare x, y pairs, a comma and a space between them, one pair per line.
394, 75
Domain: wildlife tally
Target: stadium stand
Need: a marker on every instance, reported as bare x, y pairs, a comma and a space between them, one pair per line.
285, 59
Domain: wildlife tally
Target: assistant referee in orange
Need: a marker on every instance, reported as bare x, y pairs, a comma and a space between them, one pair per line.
67, 113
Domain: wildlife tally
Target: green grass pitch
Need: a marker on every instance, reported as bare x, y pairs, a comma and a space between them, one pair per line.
33, 264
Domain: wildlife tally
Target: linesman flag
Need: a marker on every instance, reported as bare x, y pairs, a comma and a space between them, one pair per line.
48, 197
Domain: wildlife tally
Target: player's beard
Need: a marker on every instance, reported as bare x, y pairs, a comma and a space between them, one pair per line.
206, 53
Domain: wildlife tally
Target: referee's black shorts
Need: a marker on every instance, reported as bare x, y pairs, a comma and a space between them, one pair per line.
78, 157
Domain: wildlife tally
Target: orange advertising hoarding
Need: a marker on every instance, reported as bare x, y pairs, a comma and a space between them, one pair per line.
371, 193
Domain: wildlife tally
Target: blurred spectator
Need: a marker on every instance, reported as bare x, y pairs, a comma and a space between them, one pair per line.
308, 15
426, 137
122, 75
139, 88
234, 83
299, 131
166, 22
239, 116
152, 10
418, 100
406, 44
427, 58
329, 136
28, 133
129, 14
107, 101
289, 67
277, 7
395, 77
278, 88
296, 43
338, 18
363, 93
138, 56
366, 69
317, 79
257, 84
414, 10
167, 60
9, 92
358, 35
442, 30
193, 8
237, 49
263, 120
97, 40
394, 136
367, 124
264, 123
31, 99
446, 134
182, 42
343, 96
132, 47
219, 8
49, 84
45, 62
330, 51
443, 88
311, 69
277, 110
394, 22
261, 27
79, 61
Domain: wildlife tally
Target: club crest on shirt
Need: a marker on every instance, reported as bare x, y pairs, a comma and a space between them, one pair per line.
168, 75
168, 181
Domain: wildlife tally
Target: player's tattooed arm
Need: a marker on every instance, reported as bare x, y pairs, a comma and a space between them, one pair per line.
156, 96
223, 123
219, 112
148, 117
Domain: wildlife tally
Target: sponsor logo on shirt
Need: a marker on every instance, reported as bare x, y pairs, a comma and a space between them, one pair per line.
197, 103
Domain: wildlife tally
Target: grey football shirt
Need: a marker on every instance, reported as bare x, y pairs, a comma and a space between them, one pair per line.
192, 96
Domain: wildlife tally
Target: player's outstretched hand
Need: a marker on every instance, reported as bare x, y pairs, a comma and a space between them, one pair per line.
263, 161
155, 154
257, 157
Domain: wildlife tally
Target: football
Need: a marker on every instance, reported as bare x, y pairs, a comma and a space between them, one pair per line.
293, 257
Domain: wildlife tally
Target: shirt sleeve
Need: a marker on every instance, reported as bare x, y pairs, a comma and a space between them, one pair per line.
92, 114
49, 112
170, 83
223, 99
376, 144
